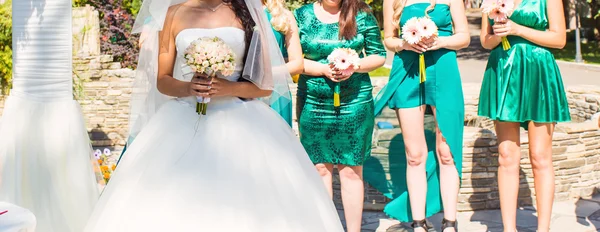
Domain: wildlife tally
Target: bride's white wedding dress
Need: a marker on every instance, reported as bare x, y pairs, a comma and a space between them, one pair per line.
238, 168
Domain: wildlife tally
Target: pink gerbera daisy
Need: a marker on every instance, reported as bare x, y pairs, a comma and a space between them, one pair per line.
497, 15
488, 5
506, 6
410, 31
427, 27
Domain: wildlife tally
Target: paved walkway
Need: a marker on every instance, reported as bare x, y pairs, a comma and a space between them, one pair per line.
580, 216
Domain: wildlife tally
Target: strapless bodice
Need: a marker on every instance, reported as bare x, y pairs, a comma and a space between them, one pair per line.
232, 36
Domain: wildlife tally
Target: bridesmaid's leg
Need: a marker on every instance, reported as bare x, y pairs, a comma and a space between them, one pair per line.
508, 172
449, 181
326, 173
353, 191
413, 132
540, 153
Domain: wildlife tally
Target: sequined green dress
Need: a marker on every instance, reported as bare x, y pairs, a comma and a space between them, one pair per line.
442, 89
338, 135
524, 83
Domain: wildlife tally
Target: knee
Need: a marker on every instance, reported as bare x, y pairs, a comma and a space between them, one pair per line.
541, 159
415, 157
446, 157
509, 156
350, 174
323, 170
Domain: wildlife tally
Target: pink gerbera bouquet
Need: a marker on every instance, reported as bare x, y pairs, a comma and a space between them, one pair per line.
209, 55
499, 11
416, 30
345, 60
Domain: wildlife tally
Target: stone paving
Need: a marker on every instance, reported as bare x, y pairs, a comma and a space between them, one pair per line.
580, 216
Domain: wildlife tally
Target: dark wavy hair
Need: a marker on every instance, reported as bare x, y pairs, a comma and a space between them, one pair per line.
348, 11
242, 12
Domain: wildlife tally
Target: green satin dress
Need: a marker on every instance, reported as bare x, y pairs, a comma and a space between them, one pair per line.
442, 89
524, 83
337, 135
284, 110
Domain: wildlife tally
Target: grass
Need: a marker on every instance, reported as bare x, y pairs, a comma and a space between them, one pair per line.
590, 52
380, 72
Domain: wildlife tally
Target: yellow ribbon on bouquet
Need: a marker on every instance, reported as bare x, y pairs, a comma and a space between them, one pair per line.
422, 68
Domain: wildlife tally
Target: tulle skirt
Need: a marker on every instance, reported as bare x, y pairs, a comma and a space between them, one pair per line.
238, 168
15, 219
46, 162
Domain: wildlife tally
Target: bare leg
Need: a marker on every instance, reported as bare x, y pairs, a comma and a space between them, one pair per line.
353, 191
508, 172
325, 171
449, 181
540, 153
411, 122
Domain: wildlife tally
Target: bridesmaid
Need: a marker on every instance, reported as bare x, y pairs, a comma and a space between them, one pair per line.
523, 87
285, 29
338, 135
430, 184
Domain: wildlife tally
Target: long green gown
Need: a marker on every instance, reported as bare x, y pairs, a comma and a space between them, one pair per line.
442, 89
284, 110
524, 83
337, 135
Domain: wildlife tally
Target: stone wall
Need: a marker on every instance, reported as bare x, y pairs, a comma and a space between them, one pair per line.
105, 104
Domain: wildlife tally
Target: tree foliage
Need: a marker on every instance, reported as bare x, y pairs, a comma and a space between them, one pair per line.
5, 46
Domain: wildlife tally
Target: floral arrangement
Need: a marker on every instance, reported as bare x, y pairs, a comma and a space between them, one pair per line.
345, 60
417, 30
209, 55
499, 11
102, 159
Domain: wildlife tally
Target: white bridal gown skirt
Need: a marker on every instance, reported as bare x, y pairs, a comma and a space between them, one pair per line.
15, 219
46, 162
238, 168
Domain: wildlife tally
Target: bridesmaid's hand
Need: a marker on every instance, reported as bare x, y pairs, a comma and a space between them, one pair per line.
418, 48
222, 87
331, 73
437, 43
503, 29
200, 85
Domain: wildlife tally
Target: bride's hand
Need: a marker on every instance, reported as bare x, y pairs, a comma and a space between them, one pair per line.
221, 87
200, 85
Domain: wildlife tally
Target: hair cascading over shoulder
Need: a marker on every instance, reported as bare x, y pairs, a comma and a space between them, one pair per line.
399, 5
348, 11
279, 15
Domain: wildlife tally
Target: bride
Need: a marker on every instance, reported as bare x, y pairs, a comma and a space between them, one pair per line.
237, 168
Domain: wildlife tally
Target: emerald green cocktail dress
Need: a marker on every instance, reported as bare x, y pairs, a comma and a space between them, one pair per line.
442, 89
337, 135
524, 83
284, 110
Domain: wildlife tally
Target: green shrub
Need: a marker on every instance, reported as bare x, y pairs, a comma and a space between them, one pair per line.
5, 46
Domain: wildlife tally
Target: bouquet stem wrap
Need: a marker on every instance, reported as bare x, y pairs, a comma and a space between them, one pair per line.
336, 95
505, 44
202, 102
422, 68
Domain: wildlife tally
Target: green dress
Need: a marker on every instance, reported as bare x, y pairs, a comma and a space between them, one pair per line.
442, 89
524, 83
284, 110
337, 135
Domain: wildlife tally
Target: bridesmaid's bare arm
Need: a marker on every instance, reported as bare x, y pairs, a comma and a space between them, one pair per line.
487, 37
295, 62
461, 37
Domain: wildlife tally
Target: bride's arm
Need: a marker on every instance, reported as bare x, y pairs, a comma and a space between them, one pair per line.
241, 89
166, 84
295, 62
